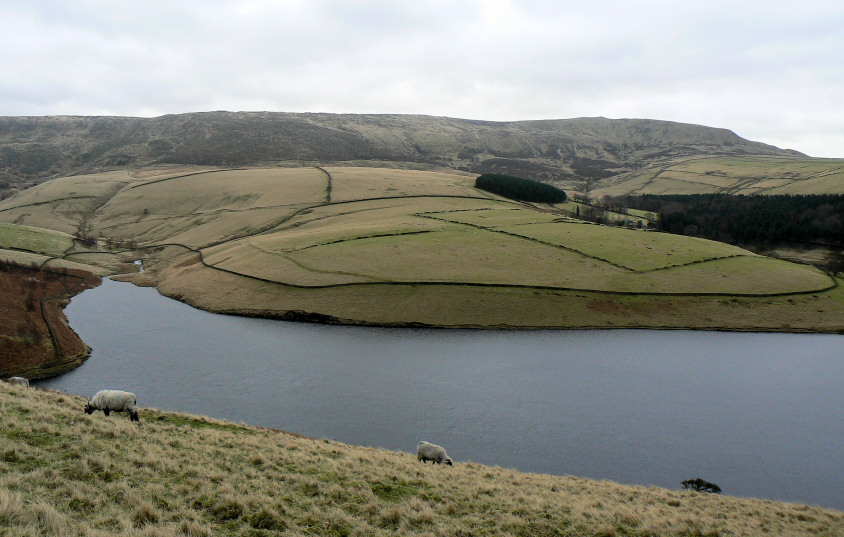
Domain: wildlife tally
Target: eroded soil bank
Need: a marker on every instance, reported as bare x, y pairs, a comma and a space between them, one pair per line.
35, 338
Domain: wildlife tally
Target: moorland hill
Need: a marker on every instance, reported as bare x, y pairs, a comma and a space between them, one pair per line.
571, 153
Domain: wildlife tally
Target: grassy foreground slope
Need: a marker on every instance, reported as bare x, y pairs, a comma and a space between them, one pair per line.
63, 472
399, 247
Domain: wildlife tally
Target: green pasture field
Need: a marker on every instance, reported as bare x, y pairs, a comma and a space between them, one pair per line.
349, 221
484, 257
495, 243
62, 204
62, 215
34, 239
465, 256
76, 187
397, 232
497, 215
570, 208
632, 249
279, 267
185, 278
26, 258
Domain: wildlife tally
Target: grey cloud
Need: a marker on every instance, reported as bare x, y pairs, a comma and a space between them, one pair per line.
768, 70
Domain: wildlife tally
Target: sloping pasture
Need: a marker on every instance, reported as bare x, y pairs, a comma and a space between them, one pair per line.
63, 204
419, 243
479, 242
203, 208
734, 175
350, 183
34, 239
632, 249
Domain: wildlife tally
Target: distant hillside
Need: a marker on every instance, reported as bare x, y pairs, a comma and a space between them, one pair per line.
748, 175
571, 153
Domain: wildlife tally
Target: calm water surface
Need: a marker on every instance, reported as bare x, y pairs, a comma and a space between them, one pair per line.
758, 414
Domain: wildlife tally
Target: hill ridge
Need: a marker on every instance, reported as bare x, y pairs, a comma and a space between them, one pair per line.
572, 153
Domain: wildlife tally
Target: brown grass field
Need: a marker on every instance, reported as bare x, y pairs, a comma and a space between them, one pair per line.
65, 473
732, 175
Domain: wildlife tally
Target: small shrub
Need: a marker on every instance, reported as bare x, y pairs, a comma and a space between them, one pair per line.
700, 485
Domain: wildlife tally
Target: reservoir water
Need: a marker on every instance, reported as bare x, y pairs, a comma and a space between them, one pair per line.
758, 414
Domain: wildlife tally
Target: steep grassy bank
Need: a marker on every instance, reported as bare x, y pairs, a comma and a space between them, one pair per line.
63, 472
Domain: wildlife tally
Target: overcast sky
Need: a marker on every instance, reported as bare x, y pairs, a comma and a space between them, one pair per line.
770, 70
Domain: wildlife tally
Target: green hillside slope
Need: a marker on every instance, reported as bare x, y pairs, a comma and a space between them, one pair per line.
403, 247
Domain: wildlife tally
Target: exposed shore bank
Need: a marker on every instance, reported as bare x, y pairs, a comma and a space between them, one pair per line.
37, 340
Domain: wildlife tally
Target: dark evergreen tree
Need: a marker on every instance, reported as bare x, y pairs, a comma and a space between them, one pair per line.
748, 219
519, 189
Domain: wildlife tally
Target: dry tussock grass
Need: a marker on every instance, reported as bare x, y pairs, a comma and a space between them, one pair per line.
66, 473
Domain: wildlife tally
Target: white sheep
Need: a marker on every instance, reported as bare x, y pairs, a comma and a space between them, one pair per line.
18, 381
426, 451
113, 401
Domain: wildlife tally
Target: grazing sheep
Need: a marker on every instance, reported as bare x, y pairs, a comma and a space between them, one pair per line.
113, 401
18, 381
426, 451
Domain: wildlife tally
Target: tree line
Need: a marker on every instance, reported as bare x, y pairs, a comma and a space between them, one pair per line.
520, 189
758, 220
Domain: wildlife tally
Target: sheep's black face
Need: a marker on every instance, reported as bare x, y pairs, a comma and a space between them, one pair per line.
448, 462
89, 409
